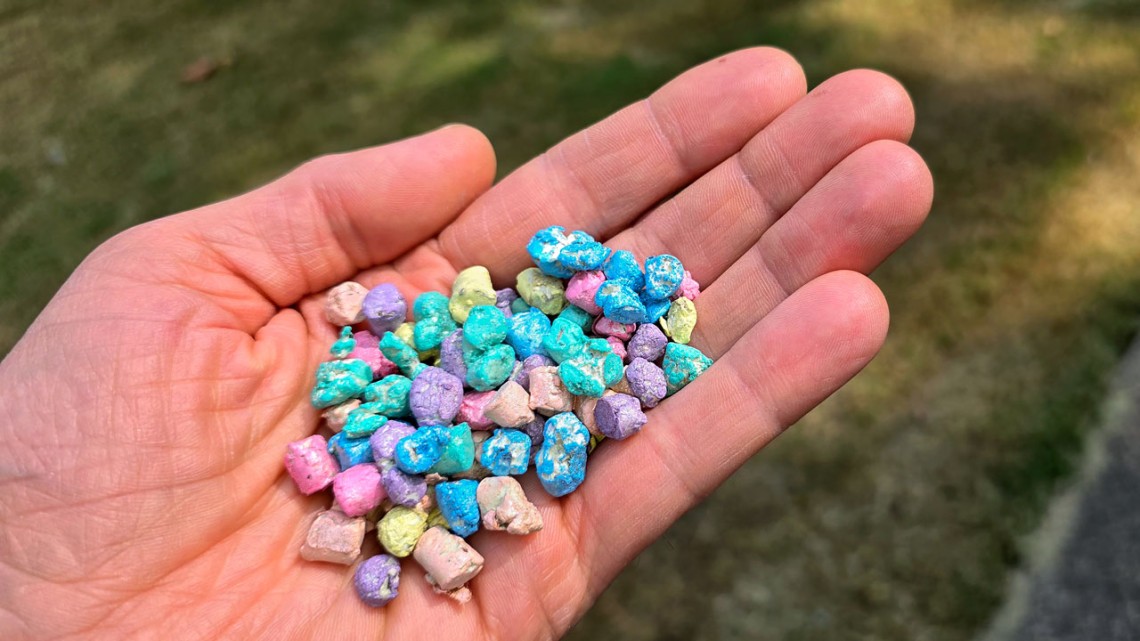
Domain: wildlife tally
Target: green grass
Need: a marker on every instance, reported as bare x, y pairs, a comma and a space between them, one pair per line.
896, 510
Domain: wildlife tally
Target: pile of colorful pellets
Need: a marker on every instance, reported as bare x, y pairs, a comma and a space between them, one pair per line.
431, 419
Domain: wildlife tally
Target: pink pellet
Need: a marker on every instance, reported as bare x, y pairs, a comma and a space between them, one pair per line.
449, 561
582, 288
689, 288
309, 463
617, 345
344, 304
510, 407
471, 410
358, 489
334, 537
368, 350
548, 395
607, 327
337, 415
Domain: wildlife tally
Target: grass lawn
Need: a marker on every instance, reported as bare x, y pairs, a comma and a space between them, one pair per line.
896, 510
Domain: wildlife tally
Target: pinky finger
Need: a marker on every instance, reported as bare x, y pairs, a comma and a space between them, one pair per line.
790, 361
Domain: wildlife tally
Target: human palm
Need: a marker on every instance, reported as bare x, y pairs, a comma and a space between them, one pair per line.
147, 409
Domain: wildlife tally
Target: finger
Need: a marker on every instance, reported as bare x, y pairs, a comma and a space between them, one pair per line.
794, 358
605, 176
333, 216
853, 219
715, 220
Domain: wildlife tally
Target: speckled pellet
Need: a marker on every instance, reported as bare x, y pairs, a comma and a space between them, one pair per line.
450, 562
595, 368
433, 321
368, 350
472, 287
507, 452
582, 288
383, 441
473, 410
504, 298
384, 308
456, 500
683, 364
350, 451
584, 409
620, 303
406, 332
663, 275
457, 451
646, 382
526, 330
654, 309
619, 416
338, 381
451, 355
362, 423
310, 464
622, 267
402, 488
546, 293
344, 304
564, 340
689, 288
548, 394
534, 430
561, 462
486, 326
400, 529
358, 489
680, 321
503, 506
607, 327
419, 451
544, 248
343, 345
402, 354
435, 397
522, 374
578, 316
491, 369
582, 253
509, 406
377, 580
334, 537
336, 415
648, 342
389, 396
617, 346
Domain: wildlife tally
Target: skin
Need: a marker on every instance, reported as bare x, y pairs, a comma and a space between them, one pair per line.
146, 411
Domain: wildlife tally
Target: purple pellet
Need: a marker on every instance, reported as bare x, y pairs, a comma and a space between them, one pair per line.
648, 342
368, 350
619, 416
522, 375
451, 355
435, 397
384, 440
403, 489
646, 381
385, 308
504, 298
377, 580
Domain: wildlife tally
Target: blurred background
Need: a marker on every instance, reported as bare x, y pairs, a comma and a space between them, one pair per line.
900, 508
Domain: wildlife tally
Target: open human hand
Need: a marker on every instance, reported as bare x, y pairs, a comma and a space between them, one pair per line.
145, 412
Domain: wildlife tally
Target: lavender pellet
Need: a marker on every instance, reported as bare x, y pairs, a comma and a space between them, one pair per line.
377, 580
